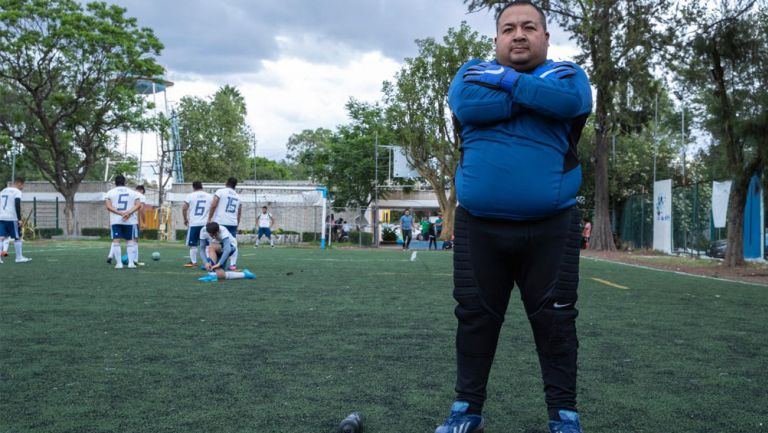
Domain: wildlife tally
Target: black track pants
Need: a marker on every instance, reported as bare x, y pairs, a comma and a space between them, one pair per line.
542, 258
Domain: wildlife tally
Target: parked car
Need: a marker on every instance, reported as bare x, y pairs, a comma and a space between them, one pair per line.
717, 248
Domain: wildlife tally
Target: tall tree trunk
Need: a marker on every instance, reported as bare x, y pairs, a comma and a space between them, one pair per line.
448, 209
737, 200
602, 233
69, 210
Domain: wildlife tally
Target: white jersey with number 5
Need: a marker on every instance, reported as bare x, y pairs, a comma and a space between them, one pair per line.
122, 199
199, 207
8, 198
226, 210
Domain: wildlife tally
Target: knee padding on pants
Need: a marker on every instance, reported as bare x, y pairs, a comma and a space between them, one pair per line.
554, 329
479, 327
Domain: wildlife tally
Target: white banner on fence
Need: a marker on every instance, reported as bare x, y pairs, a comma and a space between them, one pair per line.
662, 216
720, 193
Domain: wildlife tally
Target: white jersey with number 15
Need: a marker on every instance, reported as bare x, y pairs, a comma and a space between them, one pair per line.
226, 210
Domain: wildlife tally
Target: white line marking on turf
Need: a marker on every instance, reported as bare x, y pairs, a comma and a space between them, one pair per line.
676, 272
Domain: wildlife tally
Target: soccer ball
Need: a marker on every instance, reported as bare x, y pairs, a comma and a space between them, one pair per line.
155, 256
124, 259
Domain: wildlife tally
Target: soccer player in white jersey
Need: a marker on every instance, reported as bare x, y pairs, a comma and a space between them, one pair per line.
123, 203
10, 217
225, 210
265, 226
196, 209
219, 245
140, 191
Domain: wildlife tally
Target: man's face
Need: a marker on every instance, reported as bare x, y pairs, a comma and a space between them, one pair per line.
20, 186
521, 41
407, 213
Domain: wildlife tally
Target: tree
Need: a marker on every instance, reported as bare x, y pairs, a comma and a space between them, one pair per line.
344, 160
727, 66
267, 169
215, 140
67, 76
620, 41
417, 110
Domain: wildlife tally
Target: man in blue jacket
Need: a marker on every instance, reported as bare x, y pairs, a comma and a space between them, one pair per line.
520, 118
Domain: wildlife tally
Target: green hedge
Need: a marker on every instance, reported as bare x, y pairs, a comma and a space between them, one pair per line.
181, 235
97, 231
354, 238
150, 234
48, 233
309, 237
388, 235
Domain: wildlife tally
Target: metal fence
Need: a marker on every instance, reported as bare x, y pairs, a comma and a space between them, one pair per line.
692, 229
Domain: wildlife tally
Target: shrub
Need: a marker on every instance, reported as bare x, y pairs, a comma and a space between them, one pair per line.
151, 234
96, 231
309, 237
354, 238
388, 235
48, 233
181, 235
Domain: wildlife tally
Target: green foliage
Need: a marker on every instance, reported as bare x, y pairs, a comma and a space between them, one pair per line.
181, 235
49, 233
96, 231
214, 136
267, 169
344, 160
67, 77
367, 238
388, 235
150, 234
310, 237
417, 108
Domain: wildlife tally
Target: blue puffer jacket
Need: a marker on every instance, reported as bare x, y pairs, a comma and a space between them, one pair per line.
518, 157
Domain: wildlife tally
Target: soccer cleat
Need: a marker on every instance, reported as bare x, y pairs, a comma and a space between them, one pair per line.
248, 274
131, 266
190, 265
109, 260
460, 421
208, 279
569, 423
140, 263
119, 265
232, 268
4, 254
23, 260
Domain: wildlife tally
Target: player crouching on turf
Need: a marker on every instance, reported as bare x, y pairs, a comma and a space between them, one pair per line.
227, 246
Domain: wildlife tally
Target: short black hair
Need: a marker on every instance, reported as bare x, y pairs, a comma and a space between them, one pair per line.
140, 188
263, 207
196, 185
231, 182
521, 3
212, 228
19, 179
119, 180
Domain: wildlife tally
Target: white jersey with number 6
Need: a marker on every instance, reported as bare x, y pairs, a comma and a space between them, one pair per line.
199, 207
122, 199
8, 198
226, 210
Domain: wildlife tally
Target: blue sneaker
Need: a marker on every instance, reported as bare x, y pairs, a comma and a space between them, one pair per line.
569, 423
459, 421
248, 274
208, 279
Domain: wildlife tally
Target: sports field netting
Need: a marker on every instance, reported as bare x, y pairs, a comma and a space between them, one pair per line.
319, 334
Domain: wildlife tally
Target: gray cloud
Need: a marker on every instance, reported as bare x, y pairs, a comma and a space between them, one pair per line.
234, 36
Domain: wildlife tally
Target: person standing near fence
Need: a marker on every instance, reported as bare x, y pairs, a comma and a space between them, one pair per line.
195, 211
586, 233
520, 117
11, 221
266, 221
226, 210
122, 204
406, 228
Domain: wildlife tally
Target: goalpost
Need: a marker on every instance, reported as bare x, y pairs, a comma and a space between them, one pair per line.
294, 207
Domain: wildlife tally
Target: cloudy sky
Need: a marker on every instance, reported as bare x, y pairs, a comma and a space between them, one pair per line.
297, 62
